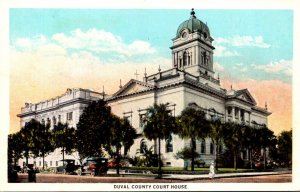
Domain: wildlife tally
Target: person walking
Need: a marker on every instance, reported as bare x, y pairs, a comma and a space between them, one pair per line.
211, 170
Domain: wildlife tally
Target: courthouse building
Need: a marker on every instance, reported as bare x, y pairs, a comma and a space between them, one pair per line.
190, 82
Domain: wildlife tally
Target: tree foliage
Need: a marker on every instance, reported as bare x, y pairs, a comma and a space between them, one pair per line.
192, 124
94, 129
285, 147
64, 137
122, 134
159, 124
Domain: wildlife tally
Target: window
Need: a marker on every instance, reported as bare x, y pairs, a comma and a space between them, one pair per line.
59, 118
184, 59
143, 146
229, 110
56, 163
40, 163
54, 120
211, 148
142, 120
48, 122
50, 163
202, 147
43, 121
169, 144
70, 116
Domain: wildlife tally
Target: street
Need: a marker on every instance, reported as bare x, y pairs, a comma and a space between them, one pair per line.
58, 178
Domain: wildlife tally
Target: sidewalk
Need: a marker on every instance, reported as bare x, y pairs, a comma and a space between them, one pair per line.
222, 175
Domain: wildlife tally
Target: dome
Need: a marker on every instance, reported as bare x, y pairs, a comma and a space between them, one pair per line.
193, 25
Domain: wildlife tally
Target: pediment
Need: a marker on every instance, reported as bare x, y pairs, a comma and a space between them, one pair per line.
245, 95
133, 86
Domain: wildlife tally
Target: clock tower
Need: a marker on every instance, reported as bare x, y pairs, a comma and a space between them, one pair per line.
192, 49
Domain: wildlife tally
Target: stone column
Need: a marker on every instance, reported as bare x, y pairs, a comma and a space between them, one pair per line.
173, 60
233, 114
239, 115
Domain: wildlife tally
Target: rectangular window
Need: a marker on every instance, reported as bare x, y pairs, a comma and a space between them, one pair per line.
70, 116
50, 163
59, 118
56, 163
142, 120
40, 163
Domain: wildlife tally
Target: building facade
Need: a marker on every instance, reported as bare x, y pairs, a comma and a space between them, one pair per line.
190, 82
65, 108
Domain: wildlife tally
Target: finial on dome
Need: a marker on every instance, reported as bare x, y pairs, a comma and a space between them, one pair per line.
159, 69
193, 14
266, 105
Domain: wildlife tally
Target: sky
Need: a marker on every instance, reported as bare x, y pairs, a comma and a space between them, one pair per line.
55, 49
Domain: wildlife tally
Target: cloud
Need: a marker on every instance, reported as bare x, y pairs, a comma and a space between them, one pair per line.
43, 67
222, 51
218, 67
282, 66
243, 41
101, 41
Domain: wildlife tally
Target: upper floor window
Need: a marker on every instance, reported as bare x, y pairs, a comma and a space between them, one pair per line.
70, 116
184, 59
142, 120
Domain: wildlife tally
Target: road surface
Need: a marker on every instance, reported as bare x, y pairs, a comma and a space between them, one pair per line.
57, 178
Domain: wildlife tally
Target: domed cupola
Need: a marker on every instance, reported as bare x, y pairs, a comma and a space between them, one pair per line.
193, 25
192, 49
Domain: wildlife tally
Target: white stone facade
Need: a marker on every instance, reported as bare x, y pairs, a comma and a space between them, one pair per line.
66, 108
190, 81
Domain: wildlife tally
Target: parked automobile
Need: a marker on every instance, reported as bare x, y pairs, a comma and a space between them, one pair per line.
112, 163
67, 167
94, 166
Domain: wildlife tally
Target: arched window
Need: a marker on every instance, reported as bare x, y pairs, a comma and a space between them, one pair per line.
202, 147
143, 146
169, 144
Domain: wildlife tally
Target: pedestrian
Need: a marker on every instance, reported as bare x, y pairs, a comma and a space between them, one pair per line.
211, 170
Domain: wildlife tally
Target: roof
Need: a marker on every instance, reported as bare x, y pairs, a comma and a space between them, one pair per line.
193, 24
242, 94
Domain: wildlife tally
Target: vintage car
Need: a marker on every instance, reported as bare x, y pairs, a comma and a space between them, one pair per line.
67, 167
94, 166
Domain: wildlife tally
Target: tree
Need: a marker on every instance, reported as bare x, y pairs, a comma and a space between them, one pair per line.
149, 156
15, 149
64, 137
43, 144
267, 139
187, 153
122, 134
30, 138
285, 147
159, 124
192, 125
94, 129
216, 135
233, 134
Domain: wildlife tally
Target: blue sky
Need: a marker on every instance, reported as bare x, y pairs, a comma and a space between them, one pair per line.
55, 49
158, 27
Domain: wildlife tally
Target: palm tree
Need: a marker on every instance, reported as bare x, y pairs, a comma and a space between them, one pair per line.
122, 134
159, 124
192, 125
233, 134
216, 135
